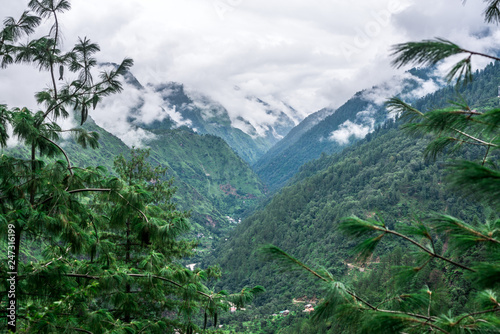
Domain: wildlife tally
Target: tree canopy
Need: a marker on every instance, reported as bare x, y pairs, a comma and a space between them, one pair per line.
88, 251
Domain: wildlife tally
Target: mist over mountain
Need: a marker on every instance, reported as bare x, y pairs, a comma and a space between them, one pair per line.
250, 167
213, 183
330, 130
143, 109
278, 144
384, 174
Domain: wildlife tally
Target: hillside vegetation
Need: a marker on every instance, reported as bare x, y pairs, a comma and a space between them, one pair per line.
313, 137
213, 182
385, 174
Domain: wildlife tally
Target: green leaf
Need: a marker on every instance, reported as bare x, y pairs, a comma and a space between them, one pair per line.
492, 11
85, 113
461, 71
95, 100
476, 181
427, 52
365, 249
358, 227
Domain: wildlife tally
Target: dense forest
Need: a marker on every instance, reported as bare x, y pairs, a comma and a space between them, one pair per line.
385, 175
311, 138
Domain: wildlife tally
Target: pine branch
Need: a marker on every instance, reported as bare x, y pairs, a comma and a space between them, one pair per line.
427, 324
133, 207
496, 309
63, 152
462, 227
278, 254
76, 191
429, 52
139, 276
74, 329
486, 155
358, 227
89, 90
428, 251
484, 143
426, 52
492, 11
407, 111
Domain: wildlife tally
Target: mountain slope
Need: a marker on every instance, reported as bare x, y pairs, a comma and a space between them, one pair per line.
383, 174
169, 106
204, 116
350, 122
386, 175
212, 181
295, 134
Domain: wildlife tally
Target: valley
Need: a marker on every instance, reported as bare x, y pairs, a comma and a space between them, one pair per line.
380, 173
133, 204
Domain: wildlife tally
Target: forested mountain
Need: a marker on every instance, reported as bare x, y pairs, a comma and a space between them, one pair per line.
378, 223
101, 249
339, 128
213, 182
295, 134
205, 116
384, 174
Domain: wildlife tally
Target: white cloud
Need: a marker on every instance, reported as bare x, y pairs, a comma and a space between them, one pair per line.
292, 51
142, 105
348, 129
380, 93
425, 87
112, 114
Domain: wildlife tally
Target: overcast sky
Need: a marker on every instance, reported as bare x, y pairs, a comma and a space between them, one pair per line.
309, 54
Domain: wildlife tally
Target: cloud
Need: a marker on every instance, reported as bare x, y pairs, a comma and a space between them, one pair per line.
362, 125
425, 87
348, 129
113, 114
306, 54
123, 114
396, 85
380, 93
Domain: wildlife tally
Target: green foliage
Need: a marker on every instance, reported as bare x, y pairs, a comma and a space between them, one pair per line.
474, 247
88, 251
383, 174
492, 11
430, 257
427, 52
214, 181
309, 141
208, 118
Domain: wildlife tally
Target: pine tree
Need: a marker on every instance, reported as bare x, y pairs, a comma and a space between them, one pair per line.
473, 252
87, 251
41, 201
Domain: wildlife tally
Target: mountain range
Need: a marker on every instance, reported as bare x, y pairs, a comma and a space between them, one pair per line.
383, 175
169, 106
211, 159
328, 131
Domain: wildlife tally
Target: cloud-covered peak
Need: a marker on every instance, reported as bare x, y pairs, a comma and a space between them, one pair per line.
303, 54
